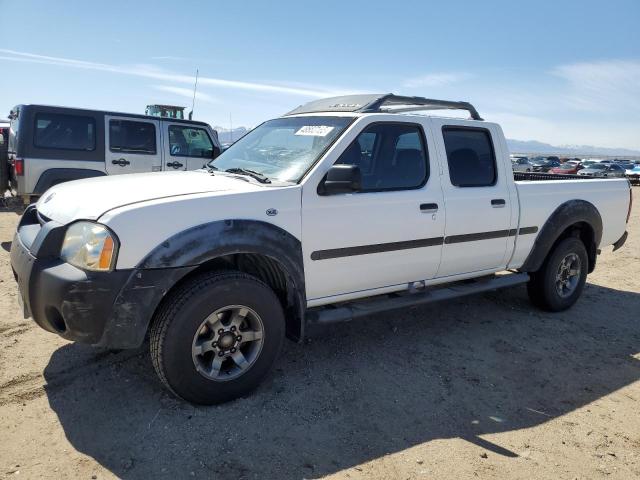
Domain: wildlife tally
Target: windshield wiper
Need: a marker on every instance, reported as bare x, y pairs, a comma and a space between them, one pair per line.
245, 171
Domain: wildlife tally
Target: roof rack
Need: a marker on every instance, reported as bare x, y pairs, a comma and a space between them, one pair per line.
375, 103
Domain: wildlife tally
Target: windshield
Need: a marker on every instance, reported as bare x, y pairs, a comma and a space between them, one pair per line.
282, 149
597, 166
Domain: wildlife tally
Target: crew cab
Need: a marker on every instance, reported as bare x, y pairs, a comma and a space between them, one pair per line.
50, 145
341, 208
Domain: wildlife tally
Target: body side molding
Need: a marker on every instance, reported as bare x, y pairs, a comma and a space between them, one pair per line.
419, 243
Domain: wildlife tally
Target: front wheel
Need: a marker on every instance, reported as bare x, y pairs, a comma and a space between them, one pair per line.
560, 281
217, 336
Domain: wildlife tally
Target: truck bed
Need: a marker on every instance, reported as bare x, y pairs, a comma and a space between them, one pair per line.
540, 195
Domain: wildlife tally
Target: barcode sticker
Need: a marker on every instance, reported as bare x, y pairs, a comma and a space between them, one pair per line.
314, 130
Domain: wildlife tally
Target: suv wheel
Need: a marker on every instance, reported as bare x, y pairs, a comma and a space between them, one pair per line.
217, 336
559, 283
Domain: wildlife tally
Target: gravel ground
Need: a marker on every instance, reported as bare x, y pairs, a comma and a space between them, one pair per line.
483, 387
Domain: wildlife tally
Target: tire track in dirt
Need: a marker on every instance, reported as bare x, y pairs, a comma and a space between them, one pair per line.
30, 386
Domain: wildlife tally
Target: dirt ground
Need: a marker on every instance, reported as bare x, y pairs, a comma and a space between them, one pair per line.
483, 387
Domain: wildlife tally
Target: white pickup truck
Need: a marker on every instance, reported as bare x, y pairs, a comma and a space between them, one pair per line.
342, 208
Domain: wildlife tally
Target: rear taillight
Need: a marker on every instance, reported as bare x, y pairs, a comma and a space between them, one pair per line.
18, 167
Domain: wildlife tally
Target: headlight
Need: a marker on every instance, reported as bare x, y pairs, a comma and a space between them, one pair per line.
89, 246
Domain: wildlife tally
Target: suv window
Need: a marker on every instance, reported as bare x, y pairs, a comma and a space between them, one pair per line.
189, 142
470, 155
128, 136
391, 156
65, 132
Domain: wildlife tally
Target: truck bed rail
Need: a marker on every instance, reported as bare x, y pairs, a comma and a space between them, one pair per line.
530, 176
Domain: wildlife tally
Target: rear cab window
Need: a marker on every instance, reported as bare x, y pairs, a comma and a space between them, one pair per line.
64, 132
470, 156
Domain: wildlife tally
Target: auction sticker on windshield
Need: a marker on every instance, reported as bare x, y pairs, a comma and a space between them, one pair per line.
314, 130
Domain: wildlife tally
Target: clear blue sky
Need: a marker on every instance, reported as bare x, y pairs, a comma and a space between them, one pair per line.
563, 72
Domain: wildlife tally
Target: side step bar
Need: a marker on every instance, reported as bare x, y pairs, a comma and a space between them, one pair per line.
382, 303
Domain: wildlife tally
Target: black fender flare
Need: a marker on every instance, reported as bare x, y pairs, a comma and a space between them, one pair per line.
54, 176
206, 242
563, 217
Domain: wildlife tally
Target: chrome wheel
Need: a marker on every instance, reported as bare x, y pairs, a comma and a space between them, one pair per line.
227, 343
568, 275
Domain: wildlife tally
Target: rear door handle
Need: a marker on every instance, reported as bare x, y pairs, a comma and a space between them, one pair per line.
175, 164
428, 207
498, 203
121, 161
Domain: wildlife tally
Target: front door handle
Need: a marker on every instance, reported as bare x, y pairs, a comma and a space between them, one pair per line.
428, 207
175, 164
498, 203
123, 162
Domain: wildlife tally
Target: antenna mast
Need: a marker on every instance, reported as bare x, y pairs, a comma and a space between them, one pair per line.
193, 102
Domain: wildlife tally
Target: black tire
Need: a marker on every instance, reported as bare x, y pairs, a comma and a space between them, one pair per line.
181, 316
542, 287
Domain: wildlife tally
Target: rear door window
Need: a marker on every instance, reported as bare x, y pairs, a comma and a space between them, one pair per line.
470, 155
65, 132
128, 136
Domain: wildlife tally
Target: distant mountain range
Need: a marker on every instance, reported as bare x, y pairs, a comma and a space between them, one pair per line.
229, 136
533, 146
515, 146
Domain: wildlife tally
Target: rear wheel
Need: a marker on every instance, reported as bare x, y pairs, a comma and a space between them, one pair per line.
217, 336
560, 281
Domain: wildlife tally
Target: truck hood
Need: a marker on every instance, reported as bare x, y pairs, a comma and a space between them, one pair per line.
91, 198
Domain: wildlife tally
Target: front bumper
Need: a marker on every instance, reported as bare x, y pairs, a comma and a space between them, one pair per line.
111, 309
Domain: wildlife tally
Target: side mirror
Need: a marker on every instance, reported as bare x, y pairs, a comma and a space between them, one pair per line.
215, 152
341, 179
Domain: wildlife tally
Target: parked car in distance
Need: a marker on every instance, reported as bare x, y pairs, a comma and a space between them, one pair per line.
360, 211
545, 164
602, 170
50, 145
633, 174
626, 164
567, 168
521, 164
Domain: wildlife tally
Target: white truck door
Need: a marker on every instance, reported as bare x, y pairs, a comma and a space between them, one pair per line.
132, 145
386, 235
186, 147
477, 196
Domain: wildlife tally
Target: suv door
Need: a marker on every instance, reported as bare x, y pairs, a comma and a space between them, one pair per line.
384, 236
186, 147
132, 145
477, 196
